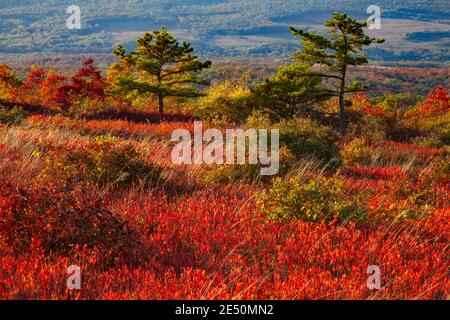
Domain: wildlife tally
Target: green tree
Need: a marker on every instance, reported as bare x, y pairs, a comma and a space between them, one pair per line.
163, 67
335, 53
289, 93
397, 106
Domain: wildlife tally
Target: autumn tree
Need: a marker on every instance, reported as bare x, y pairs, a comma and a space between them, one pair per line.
163, 67
87, 86
335, 53
41, 88
9, 83
437, 102
30, 89
49, 90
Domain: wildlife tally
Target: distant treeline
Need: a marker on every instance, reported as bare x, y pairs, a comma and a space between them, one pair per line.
428, 36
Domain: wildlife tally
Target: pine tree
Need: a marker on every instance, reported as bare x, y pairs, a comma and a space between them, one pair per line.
343, 48
163, 66
289, 92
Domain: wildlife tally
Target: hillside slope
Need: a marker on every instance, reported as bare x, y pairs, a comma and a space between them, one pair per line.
415, 30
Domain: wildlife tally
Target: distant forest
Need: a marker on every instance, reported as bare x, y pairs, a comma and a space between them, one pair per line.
220, 28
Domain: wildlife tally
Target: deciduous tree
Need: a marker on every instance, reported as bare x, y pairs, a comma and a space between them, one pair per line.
88, 84
9, 83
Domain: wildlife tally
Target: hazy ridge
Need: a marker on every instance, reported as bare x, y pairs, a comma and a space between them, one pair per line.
415, 30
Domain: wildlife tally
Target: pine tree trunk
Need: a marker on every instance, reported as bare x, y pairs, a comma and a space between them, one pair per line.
161, 103
342, 115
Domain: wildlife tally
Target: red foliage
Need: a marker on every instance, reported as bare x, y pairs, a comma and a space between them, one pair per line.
203, 246
87, 83
141, 116
118, 127
35, 77
375, 173
393, 151
57, 220
361, 102
41, 88
213, 242
437, 102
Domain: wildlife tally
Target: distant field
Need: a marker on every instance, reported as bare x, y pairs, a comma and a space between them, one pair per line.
416, 31
396, 32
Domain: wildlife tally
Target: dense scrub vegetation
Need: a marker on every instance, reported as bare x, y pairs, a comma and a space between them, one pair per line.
86, 178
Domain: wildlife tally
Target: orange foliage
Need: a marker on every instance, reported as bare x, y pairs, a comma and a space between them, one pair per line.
437, 102
361, 102
8, 83
41, 88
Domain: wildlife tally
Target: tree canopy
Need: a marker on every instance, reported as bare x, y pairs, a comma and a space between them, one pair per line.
342, 48
289, 92
163, 67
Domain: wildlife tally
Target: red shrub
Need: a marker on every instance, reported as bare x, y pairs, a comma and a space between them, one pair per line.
215, 245
437, 102
58, 221
88, 83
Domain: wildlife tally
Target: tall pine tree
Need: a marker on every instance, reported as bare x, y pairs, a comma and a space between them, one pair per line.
335, 53
163, 66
